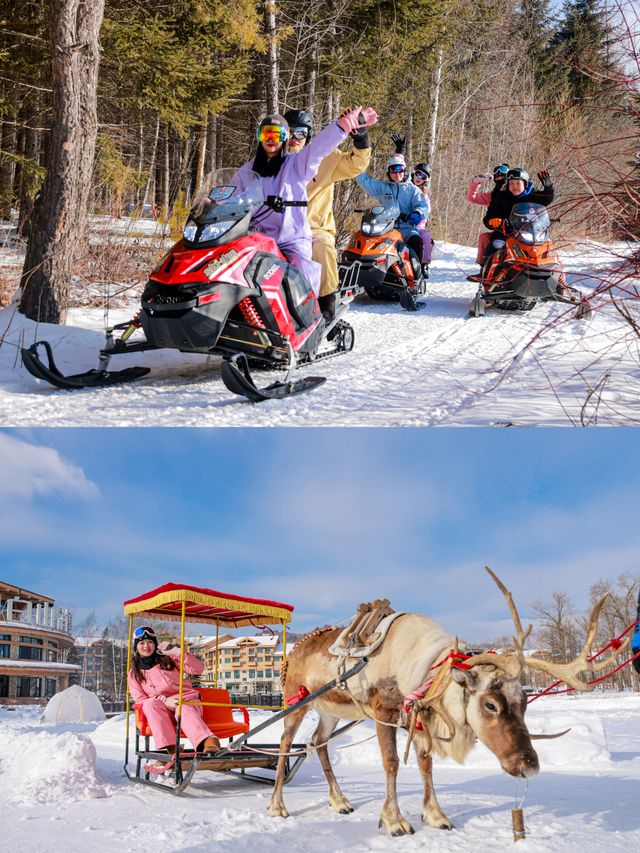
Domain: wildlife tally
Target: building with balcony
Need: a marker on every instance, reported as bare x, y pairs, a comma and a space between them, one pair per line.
35, 640
245, 664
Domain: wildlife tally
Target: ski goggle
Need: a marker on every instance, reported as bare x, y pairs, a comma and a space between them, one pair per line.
272, 133
500, 171
422, 176
144, 633
518, 175
299, 133
395, 170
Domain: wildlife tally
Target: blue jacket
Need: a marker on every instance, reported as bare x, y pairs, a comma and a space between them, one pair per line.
405, 195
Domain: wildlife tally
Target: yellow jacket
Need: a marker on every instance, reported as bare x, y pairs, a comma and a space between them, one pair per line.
337, 166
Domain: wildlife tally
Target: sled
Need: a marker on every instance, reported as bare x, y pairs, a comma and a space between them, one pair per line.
243, 756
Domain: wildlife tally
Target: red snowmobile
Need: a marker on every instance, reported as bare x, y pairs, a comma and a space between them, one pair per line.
222, 289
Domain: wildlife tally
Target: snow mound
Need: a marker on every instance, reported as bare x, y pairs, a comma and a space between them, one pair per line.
42, 767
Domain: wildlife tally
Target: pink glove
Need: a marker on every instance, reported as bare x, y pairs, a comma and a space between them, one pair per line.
349, 120
370, 117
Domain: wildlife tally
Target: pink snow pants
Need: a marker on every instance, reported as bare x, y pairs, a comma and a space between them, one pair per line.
163, 723
484, 241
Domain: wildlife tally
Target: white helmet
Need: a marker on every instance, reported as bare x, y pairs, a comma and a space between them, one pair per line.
396, 160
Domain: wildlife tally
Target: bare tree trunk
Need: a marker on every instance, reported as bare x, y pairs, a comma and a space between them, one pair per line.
8, 144
272, 75
152, 166
31, 153
202, 153
312, 76
435, 104
166, 178
59, 221
212, 143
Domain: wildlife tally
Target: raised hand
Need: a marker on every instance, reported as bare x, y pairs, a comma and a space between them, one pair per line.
398, 141
545, 178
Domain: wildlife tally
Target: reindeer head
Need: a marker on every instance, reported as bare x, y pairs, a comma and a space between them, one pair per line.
495, 705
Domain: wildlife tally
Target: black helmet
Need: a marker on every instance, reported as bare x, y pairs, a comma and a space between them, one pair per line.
299, 118
423, 167
500, 171
518, 174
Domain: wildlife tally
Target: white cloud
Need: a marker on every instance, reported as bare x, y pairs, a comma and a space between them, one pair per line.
29, 471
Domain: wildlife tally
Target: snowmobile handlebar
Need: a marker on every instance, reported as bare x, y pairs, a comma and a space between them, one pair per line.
275, 202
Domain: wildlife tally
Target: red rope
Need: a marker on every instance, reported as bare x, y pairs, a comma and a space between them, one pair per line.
615, 643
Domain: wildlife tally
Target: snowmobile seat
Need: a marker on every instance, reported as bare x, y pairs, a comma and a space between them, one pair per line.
219, 716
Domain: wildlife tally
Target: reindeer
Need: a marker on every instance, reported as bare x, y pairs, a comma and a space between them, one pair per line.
482, 701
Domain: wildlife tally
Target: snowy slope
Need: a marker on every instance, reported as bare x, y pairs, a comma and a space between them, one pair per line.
584, 798
434, 367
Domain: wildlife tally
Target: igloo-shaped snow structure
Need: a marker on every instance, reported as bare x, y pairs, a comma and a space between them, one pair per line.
73, 705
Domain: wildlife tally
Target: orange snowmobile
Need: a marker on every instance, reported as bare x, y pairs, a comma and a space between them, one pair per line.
378, 261
526, 270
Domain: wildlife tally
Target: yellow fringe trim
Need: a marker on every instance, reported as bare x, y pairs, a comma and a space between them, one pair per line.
155, 607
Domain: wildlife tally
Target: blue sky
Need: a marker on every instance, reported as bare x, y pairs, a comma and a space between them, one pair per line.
321, 519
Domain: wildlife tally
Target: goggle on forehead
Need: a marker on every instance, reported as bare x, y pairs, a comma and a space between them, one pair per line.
501, 170
272, 133
144, 633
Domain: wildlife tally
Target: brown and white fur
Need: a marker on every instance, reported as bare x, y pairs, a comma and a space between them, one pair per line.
483, 702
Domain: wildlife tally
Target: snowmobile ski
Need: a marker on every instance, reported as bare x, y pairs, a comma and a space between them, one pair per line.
237, 378
408, 300
91, 379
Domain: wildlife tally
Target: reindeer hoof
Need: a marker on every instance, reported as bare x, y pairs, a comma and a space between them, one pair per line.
395, 830
278, 811
346, 810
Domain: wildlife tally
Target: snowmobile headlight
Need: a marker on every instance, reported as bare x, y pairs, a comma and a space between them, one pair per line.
527, 237
216, 229
366, 228
190, 229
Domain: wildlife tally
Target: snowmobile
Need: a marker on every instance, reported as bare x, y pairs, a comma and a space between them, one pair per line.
527, 270
223, 289
378, 261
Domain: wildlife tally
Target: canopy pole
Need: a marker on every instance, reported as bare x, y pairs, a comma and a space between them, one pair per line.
127, 695
215, 676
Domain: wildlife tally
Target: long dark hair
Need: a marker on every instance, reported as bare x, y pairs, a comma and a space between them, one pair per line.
163, 661
268, 167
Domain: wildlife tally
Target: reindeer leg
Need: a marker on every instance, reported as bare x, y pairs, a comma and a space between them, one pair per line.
432, 814
291, 724
337, 800
390, 816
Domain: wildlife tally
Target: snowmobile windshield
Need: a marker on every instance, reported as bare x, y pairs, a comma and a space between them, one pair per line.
530, 222
232, 196
380, 218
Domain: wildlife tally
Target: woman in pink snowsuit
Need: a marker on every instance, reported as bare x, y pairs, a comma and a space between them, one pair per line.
154, 683
476, 197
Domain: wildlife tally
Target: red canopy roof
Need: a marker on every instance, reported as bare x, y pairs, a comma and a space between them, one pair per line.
207, 605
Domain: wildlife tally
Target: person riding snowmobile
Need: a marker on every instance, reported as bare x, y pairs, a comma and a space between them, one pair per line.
499, 176
287, 176
407, 196
336, 166
518, 187
421, 176
474, 195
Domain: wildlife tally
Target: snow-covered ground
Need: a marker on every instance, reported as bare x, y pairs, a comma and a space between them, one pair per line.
434, 367
56, 795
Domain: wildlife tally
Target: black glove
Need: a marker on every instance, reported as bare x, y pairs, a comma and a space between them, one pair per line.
361, 138
545, 179
399, 142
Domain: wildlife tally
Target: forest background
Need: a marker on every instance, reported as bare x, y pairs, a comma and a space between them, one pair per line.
178, 88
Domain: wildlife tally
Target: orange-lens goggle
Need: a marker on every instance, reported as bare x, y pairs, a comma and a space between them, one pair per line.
272, 133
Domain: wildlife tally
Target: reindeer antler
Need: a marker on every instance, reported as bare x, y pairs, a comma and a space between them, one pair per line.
511, 665
567, 672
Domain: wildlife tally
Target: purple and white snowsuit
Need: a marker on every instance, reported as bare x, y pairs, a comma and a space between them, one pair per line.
291, 229
425, 234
